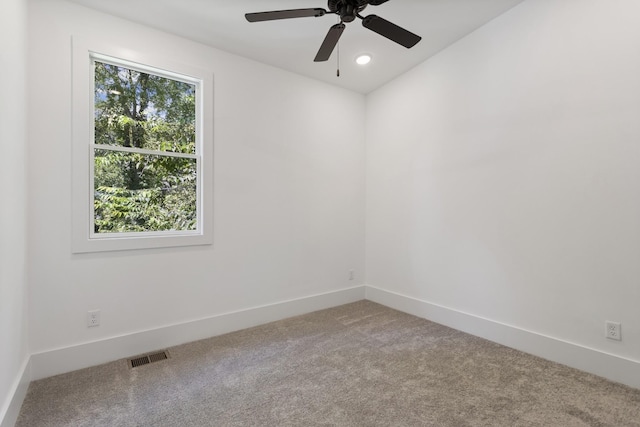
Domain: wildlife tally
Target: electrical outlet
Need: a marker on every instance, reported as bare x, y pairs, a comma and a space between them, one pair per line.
613, 330
352, 274
93, 318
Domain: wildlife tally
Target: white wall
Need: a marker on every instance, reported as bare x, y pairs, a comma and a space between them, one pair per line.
13, 208
503, 175
288, 193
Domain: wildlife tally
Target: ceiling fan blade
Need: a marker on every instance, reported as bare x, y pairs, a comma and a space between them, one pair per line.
377, 2
391, 31
284, 14
330, 42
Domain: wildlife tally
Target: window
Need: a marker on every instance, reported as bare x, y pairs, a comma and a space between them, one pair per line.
145, 158
141, 163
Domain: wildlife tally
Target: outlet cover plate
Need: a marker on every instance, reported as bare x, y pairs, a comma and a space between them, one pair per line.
613, 330
93, 318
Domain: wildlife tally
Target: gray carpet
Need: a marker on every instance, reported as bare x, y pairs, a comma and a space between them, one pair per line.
360, 364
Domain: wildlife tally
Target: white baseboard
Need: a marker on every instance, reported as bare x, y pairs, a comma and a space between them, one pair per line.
11, 409
614, 368
58, 361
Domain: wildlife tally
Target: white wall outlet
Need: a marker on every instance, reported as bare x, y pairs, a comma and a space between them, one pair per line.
93, 318
352, 274
613, 330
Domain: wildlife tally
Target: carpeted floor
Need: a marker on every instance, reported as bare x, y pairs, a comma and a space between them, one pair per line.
360, 364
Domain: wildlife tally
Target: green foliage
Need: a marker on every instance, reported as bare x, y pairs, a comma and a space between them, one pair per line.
136, 192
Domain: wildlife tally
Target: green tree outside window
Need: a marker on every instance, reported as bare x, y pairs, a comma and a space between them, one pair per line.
145, 159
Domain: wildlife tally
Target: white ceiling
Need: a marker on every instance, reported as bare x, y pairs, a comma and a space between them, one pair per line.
292, 44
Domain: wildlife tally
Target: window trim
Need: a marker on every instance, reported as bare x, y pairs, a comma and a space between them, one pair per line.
84, 239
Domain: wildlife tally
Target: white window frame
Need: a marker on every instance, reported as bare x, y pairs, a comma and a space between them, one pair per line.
84, 239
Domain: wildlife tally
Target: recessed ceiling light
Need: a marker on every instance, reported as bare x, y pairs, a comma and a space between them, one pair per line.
363, 59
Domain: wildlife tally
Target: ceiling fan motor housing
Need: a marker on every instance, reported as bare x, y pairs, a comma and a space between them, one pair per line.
347, 9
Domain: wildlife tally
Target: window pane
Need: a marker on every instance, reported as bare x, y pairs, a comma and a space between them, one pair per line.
140, 110
137, 192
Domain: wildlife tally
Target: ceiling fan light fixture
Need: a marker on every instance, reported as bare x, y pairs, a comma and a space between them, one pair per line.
363, 59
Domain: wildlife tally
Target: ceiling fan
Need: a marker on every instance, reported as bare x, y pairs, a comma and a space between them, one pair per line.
348, 10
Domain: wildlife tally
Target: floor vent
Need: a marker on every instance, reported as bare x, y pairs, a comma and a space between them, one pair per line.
149, 358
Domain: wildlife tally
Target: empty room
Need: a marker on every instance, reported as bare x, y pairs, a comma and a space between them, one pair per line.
305, 213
